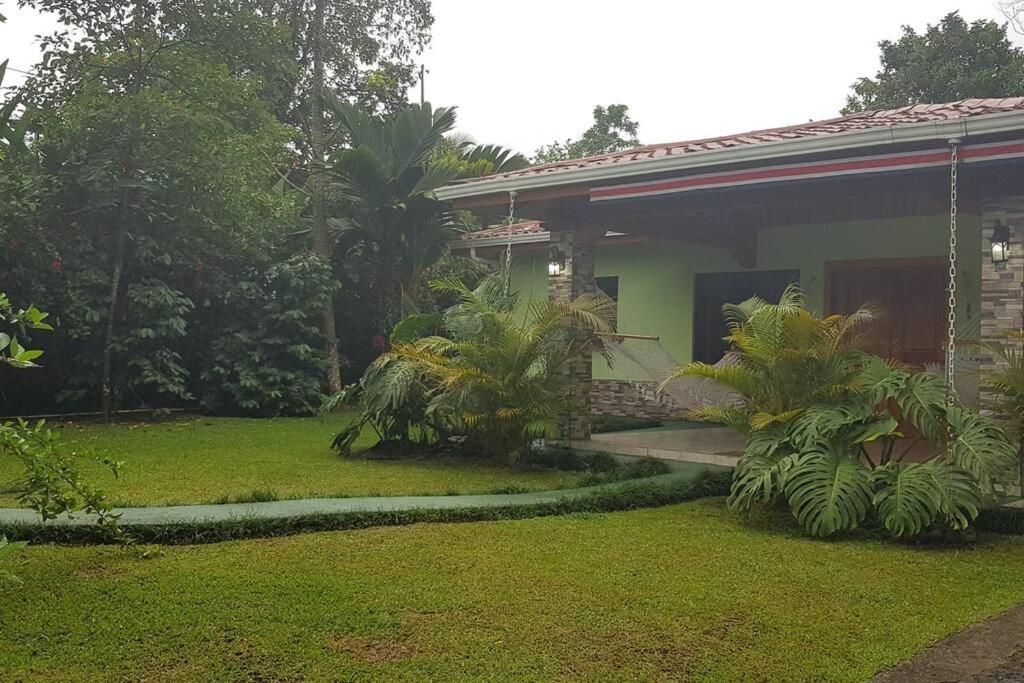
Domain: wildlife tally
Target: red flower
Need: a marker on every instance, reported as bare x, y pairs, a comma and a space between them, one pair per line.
198, 268
56, 264
379, 343
126, 164
15, 243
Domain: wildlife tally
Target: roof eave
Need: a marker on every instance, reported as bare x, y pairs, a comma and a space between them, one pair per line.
894, 134
471, 243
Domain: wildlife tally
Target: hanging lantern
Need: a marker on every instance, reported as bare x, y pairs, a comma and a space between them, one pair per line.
1000, 243
556, 261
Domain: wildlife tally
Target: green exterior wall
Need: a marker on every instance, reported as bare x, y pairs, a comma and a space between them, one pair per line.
656, 278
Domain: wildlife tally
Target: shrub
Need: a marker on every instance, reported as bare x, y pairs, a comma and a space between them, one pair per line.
51, 482
822, 419
269, 361
613, 423
495, 379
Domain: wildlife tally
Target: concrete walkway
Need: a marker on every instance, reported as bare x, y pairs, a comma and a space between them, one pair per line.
720, 446
158, 515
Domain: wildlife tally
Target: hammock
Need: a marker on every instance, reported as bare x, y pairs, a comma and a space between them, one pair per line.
654, 365
966, 362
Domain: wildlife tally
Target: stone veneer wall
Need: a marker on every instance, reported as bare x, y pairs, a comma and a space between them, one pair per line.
1002, 284
576, 278
625, 398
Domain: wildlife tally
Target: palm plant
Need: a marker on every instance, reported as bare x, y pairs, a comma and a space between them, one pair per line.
384, 182
496, 378
1005, 384
822, 421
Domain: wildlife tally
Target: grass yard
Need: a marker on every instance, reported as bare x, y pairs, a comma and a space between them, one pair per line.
683, 592
206, 460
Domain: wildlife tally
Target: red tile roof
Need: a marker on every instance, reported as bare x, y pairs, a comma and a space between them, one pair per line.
518, 229
918, 113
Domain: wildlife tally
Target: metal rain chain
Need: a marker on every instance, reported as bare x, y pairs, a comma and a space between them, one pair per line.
951, 343
508, 244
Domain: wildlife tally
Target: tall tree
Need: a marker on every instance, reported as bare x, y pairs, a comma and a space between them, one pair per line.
317, 144
161, 151
612, 131
357, 51
951, 60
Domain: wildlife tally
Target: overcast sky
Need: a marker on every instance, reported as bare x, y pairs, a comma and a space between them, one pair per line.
526, 72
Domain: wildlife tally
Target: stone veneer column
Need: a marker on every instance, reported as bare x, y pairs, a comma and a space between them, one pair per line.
576, 278
1002, 284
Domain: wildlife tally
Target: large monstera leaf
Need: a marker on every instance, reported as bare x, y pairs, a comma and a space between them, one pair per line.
908, 497
922, 400
979, 446
960, 496
828, 490
759, 478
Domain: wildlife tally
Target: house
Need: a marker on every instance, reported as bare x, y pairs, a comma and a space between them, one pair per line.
871, 206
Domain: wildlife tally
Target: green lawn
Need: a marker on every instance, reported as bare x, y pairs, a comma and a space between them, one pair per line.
683, 592
213, 459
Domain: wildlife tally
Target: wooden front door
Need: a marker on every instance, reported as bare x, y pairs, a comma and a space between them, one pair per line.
913, 294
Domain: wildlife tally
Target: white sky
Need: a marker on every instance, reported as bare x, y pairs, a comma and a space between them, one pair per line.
527, 72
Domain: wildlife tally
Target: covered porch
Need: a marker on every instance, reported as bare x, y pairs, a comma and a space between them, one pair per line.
868, 218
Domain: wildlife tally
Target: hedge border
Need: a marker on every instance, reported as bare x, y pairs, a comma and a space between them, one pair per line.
625, 496
1001, 520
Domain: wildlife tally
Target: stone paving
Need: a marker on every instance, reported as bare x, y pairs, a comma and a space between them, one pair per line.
989, 652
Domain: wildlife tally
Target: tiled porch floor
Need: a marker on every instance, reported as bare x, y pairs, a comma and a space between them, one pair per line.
711, 445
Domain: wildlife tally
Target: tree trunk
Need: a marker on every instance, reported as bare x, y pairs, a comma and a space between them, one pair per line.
106, 379
321, 239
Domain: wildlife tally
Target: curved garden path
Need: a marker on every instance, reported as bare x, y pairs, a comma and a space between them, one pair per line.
283, 509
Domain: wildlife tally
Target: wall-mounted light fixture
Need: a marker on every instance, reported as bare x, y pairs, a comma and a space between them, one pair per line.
1000, 243
556, 261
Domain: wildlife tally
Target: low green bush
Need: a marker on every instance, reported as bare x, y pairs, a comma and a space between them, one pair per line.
1001, 520
625, 496
638, 469
600, 424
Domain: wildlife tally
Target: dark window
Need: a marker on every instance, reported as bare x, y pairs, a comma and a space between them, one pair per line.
712, 290
609, 286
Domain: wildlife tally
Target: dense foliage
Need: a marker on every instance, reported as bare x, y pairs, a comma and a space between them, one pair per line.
494, 377
951, 60
826, 426
264, 361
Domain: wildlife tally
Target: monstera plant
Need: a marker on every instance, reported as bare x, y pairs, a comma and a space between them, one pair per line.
842, 436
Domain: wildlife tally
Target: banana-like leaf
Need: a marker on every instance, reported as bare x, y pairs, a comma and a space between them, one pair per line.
907, 497
884, 425
828, 490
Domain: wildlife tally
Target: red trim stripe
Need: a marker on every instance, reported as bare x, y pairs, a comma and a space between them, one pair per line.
856, 165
